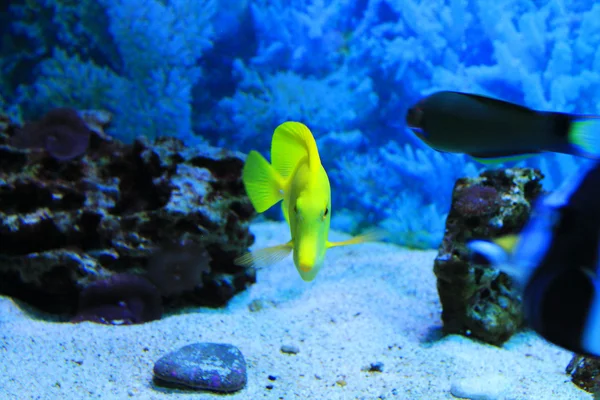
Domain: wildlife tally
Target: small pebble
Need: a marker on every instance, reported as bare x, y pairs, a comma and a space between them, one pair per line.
487, 387
290, 349
373, 367
272, 377
256, 305
217, 367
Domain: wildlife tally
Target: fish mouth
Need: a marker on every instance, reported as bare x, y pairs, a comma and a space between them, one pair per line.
414, 121
305, 267
418, 133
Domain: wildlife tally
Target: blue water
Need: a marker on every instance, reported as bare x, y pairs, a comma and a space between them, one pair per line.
228, 72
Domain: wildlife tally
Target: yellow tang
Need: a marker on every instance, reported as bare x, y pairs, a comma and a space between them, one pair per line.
297, 177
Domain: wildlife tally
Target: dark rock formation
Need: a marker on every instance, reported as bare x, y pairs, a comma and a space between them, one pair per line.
479, 301
585, 372
65, 223
122, 299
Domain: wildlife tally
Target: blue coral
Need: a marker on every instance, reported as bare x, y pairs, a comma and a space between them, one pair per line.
148, 82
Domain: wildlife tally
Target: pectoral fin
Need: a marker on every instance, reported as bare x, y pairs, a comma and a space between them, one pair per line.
370, 236
263, 184
499, 158
507, 242
265, 257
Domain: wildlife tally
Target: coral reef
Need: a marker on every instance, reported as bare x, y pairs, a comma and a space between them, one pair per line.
232, 70
122, 299
62, 132
478, 300
178, 269
67, 223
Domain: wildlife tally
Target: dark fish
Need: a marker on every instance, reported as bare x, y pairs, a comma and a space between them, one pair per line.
492, 130
556, 261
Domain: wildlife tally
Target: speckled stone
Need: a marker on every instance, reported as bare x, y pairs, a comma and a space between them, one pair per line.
290, 349
205, 366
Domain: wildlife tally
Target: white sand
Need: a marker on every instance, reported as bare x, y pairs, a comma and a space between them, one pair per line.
373, 302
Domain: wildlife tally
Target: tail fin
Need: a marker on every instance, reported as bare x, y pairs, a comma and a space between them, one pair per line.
291, 142
263, 184
488, 253
584, 136
499, 254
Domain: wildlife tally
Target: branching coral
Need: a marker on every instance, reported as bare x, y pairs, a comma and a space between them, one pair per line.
263, 101
304, 36
144, 71
397, 184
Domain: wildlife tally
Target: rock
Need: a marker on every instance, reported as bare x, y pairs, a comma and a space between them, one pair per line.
67, 223
489, 387
585, 372
478, 300
205, 366
256, 305
122, 299
373, 367
290, 349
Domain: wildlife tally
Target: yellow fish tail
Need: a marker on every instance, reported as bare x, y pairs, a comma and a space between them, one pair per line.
263, 184
371, 236
507, 242
265, 257
291, 142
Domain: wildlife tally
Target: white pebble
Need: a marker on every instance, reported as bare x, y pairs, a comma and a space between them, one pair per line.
487, 387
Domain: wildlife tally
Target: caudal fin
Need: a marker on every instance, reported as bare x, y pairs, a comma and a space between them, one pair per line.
263, 184
584, 136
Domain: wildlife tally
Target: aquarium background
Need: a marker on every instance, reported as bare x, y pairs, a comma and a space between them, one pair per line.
227, 72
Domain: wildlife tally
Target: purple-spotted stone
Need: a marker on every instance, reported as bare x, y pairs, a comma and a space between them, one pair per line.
203, 366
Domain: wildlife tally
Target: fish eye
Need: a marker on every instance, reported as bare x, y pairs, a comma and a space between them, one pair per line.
414, 117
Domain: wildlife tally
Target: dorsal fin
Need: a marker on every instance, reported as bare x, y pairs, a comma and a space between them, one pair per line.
291, 142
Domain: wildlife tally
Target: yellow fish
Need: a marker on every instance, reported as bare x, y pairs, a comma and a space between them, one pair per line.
297, 177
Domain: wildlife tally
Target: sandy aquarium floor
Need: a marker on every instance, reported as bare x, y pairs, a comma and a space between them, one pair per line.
371, 303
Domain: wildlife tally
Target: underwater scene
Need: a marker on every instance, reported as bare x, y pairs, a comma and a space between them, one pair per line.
303, 199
